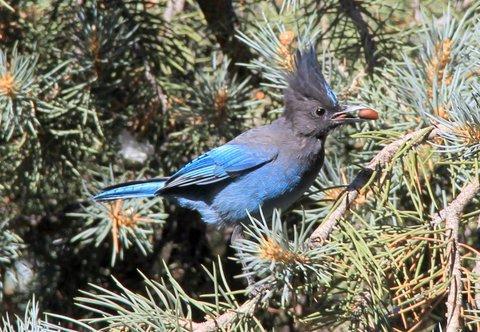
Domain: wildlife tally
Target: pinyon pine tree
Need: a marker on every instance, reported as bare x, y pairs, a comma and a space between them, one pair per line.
98, 92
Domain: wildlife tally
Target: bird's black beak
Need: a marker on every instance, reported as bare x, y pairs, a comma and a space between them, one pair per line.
353, 114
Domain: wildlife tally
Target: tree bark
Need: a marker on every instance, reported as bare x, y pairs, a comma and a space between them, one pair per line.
353, 10
222, 21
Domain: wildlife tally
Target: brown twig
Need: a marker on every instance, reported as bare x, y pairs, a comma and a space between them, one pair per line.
226, 319
476, 270
160, 97
173, 7
353, 9
222, 21
381, 159
458, 204
452, 214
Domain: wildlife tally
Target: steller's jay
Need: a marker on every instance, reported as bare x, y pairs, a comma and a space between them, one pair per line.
268, 167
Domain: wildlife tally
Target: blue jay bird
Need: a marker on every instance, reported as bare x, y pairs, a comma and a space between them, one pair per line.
268, 167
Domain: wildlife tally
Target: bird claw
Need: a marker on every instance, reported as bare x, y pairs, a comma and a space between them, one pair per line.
257, 290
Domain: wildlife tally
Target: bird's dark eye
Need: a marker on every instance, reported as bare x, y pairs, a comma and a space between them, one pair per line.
319, 111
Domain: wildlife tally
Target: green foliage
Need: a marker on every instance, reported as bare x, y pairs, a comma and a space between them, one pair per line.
15, 88
146, 86
285, 266
165, 307
126, 223
440, 82
10, 245
217, 106
30, 322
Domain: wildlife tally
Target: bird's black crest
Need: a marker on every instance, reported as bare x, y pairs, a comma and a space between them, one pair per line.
307, 79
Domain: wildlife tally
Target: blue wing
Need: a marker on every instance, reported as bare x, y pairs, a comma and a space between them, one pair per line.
224, 162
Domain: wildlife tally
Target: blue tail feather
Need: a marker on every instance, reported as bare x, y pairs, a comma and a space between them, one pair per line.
134, 189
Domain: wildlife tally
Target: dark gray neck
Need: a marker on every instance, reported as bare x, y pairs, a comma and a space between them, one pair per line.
306, 147
302, 128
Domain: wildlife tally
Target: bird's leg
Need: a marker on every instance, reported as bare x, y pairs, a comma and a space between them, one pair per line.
237, 235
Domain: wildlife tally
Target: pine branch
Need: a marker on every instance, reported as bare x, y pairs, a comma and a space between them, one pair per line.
451, 214
456, 207
381, 159
226, 319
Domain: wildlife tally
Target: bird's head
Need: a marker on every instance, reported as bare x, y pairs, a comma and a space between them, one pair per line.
310, 103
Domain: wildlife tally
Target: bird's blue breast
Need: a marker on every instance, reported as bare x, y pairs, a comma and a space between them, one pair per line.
274, 185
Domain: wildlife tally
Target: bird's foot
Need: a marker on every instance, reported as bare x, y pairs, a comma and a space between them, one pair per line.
258, 290
237, 235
